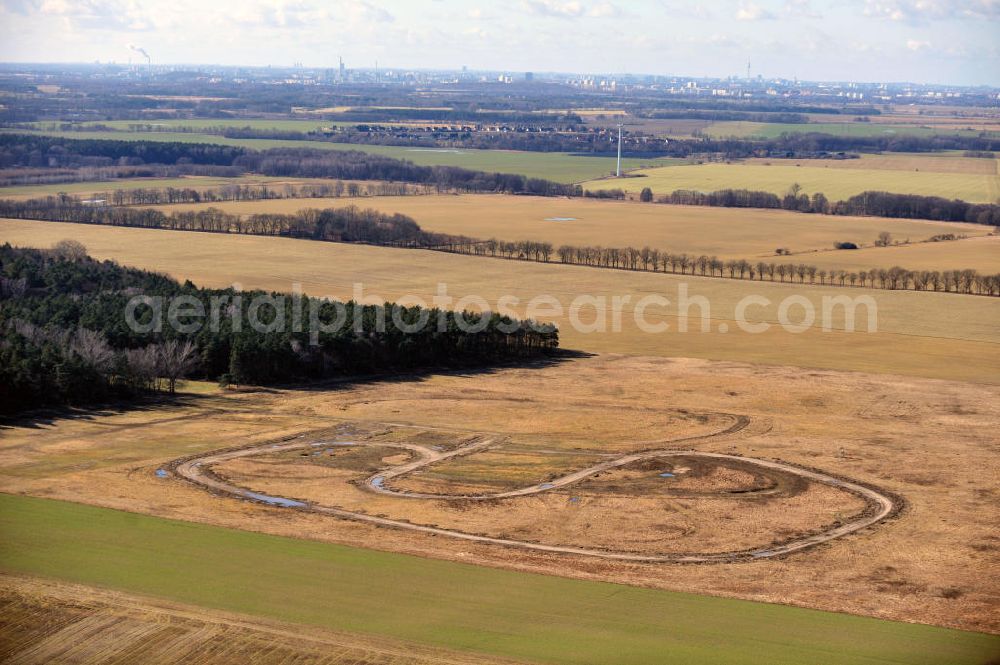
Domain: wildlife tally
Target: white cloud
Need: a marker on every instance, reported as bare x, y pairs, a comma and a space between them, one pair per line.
605, 10
681, 9
917, 45
553, 8
366, 12
107, 14
917, 11
800, 9
750, 11
276, 14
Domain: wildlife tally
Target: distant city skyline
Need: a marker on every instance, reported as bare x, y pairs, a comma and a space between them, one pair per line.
920, 41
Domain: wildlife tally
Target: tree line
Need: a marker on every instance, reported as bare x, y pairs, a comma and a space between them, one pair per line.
36, 150
253, 192
865, 204
346, 224
647, 259
55, 175
64, 338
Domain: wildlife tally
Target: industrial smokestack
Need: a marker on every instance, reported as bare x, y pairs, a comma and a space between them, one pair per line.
142, 51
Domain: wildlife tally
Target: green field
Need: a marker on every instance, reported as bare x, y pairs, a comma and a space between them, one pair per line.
558, 166
770, 130
464, 607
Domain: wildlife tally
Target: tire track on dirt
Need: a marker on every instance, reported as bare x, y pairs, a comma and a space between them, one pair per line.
880, 505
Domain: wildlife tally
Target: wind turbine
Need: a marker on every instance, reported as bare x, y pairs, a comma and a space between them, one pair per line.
618, 171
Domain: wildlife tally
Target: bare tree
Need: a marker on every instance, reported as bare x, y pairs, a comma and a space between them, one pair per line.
176, 360
141, 365
93, 349
70, 250
13, 288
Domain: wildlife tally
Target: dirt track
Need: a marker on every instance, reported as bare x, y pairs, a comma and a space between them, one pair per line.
198, 470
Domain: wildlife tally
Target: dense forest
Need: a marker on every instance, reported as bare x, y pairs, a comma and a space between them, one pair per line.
36, 151
64, 336
886, 204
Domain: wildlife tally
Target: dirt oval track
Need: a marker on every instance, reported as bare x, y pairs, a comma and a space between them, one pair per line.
197, 470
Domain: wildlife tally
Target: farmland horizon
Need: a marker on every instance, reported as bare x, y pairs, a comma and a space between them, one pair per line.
894, 41
494, 70
562, 332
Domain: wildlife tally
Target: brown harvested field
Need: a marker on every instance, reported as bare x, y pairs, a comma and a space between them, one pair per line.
48, 622
723, 232
919, 334
982, 120
777, 176
899, 161
980, 253
930, 442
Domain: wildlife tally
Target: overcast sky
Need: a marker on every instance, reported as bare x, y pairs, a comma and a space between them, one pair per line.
937, 41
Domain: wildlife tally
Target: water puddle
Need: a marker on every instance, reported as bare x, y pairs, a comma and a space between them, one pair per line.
162, 473
274, 500
560, 219
545, 486
666, 475
378, 481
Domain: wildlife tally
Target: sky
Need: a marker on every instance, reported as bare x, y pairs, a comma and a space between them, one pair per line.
923, 41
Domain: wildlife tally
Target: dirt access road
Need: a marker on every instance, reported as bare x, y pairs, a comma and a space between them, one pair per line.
197, 470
